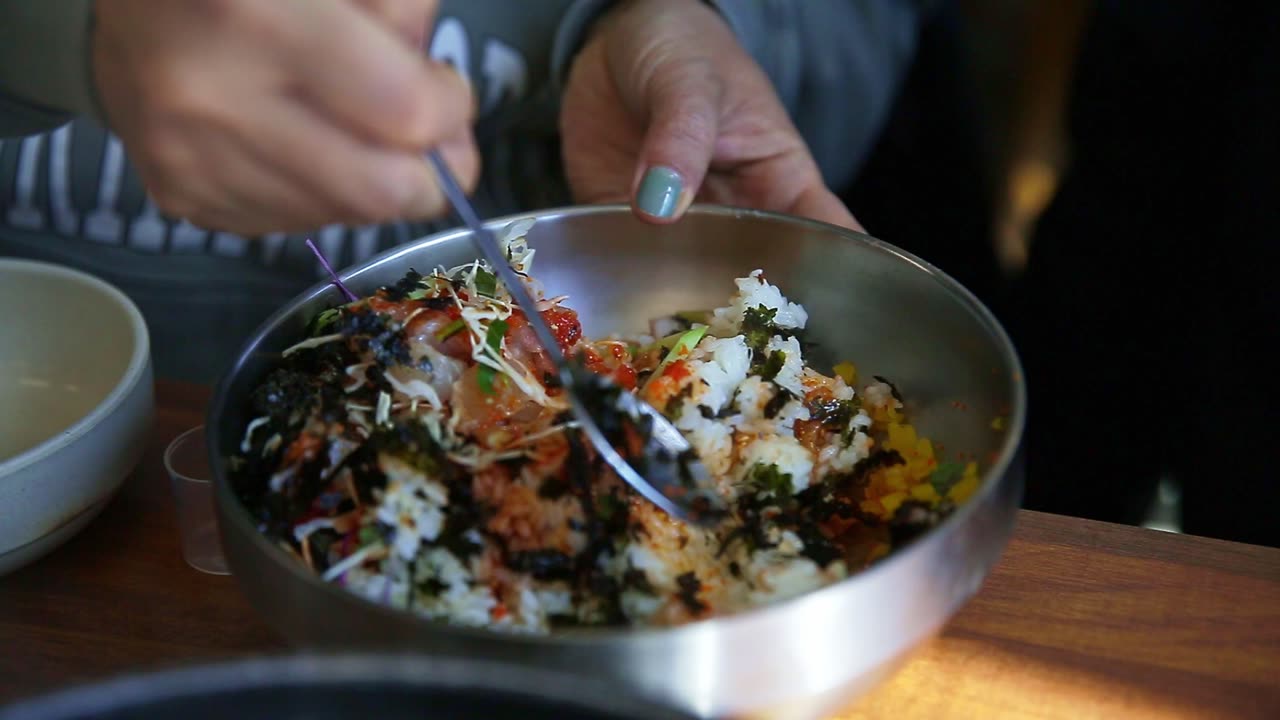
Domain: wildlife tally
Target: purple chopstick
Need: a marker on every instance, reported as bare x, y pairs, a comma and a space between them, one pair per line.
333, 276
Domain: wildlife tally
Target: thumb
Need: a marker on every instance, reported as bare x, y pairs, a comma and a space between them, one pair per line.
683, 100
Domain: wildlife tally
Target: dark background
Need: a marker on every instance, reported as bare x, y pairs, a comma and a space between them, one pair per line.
1103, 175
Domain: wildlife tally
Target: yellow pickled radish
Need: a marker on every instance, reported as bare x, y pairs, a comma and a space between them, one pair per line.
847, 372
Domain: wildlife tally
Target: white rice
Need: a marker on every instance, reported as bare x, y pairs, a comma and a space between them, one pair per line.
712, 439
412, 504
733, 442
789, 414
844, 459
792, 372
783, 451
753, 394
880, 396
754, 291
725, 367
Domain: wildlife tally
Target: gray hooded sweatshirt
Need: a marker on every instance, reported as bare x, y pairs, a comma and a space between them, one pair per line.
68, 193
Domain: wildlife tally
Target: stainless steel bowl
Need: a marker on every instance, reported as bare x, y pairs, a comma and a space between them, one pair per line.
889, 312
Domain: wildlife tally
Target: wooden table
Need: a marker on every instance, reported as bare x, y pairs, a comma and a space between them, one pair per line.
1080, 619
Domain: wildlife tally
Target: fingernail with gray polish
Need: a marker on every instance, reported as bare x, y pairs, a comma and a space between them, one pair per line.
659, 192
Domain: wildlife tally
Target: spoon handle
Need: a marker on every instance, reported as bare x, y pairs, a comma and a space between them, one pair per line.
669, 472
501, 265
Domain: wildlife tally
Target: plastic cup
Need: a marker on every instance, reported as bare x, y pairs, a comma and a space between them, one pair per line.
187, 461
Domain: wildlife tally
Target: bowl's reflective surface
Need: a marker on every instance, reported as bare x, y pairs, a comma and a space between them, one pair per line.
886, 311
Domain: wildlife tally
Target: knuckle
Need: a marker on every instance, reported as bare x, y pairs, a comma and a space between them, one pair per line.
375, 202
172, 95
163, 152
219, 12
246, 16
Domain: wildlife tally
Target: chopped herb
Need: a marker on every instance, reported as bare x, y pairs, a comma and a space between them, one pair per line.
404, 287
486, 376
690, 585
322, 322
377, 333
670, 341
769, 478
816, 545
432, 587
758, 327
369, 535
833, 414
675, 405
945, 476
879, 458
637, 580
727, 411
772, 365
607, 506
413, 444
738, 533
493, 336
683, 346
545, 564
286, 396
777, 402
451, 329
457, 536
486, 283
822, 504
493, 340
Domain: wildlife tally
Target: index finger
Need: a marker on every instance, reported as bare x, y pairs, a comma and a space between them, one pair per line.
359, 72
409, 18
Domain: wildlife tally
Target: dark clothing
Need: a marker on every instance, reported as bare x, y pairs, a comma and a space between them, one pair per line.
1151, 321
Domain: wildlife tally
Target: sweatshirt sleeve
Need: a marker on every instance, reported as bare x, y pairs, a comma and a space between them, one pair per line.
44, 64
835, 64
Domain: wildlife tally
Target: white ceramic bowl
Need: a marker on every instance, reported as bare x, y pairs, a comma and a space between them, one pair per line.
76, 403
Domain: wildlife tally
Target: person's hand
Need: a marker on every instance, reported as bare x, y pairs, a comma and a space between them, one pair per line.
253, 116
663, 106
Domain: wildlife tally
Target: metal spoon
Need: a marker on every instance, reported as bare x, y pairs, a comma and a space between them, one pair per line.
664, 467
